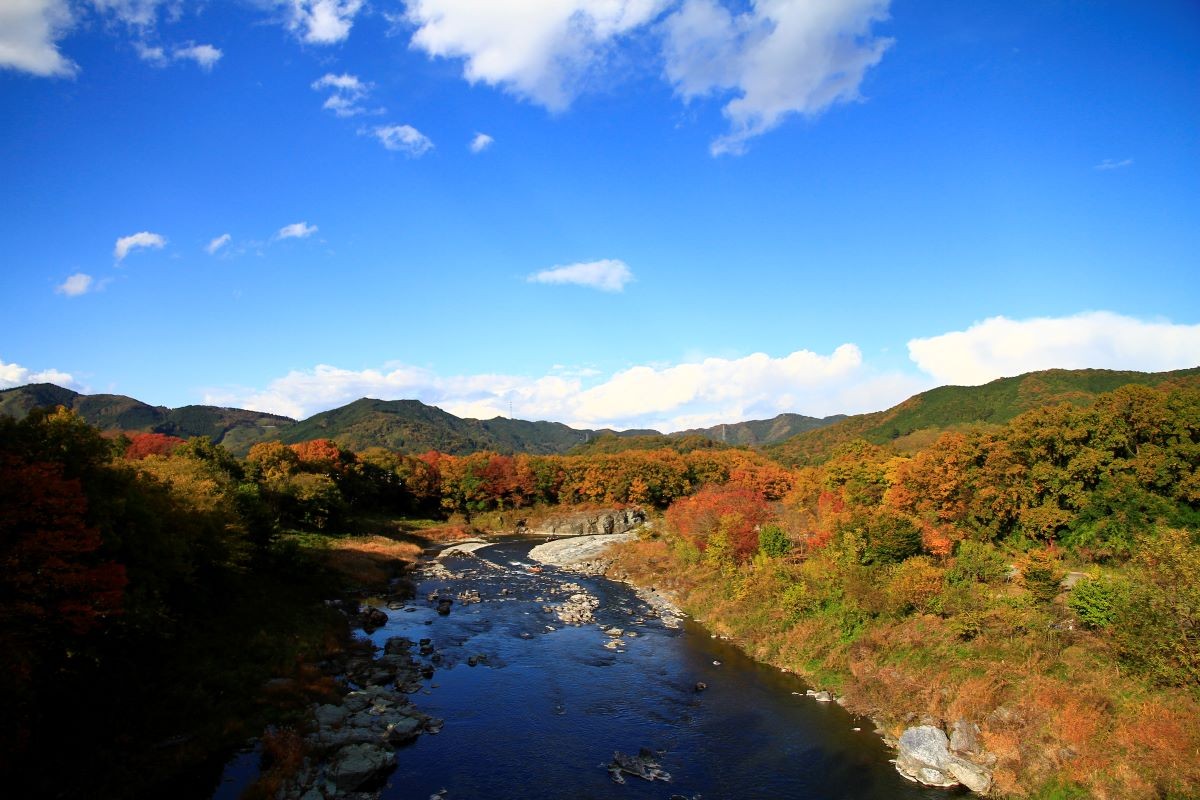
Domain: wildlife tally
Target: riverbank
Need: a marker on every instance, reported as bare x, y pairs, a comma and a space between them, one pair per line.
1038, 704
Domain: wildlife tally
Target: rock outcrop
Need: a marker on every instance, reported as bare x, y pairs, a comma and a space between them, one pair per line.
592, 523
924, 756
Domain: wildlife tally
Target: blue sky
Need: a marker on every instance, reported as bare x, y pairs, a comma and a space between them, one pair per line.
680, 212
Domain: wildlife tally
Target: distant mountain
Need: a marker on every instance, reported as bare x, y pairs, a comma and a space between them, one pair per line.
235, 428
919, 419
761, 432
410, 426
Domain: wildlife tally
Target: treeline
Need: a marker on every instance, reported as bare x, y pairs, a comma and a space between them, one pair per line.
146, 595
933, 586
318, 483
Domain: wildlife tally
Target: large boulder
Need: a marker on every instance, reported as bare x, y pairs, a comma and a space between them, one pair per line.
924, 756
359, 765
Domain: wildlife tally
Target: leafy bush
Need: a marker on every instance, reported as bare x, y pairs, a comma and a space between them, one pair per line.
1156, 624
915, 586
1095, 602
1042, 576
773, 541
977, 562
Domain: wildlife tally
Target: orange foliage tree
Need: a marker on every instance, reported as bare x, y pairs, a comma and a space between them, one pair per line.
735, 511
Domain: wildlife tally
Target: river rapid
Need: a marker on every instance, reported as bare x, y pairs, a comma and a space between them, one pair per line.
535, 708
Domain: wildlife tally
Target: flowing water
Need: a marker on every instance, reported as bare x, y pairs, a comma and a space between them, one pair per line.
541, 714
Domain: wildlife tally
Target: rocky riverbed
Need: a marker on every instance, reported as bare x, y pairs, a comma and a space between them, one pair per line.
556, 683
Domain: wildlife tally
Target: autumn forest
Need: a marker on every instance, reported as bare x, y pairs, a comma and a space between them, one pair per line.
1039, 577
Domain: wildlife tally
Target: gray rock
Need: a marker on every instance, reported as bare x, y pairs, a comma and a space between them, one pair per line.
358, 765
924, 755
933, 777
922, 746
403, 729
964, 737
329, 716
972, 776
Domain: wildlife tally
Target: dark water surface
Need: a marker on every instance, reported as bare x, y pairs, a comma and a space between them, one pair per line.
541, 717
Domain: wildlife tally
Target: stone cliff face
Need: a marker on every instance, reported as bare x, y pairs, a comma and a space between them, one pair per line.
592, 522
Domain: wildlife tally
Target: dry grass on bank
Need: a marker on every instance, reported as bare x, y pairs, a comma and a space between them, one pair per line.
1054, 707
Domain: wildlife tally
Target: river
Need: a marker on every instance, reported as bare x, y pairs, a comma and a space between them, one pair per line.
546, 705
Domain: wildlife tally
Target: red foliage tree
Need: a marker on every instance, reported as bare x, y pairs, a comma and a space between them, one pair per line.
736, 511
52, 576
151, 444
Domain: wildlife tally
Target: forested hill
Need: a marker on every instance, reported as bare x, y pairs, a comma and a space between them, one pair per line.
760, 432
410, 426
920, 419
235, 428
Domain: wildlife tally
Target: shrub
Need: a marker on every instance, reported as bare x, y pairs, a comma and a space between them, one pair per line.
977, 562
1042, 576
773, 541
915, 586
1156, 624
1094, 601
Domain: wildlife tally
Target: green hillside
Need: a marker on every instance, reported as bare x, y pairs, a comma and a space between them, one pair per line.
235, 428
411, 426
761, 432
922, 417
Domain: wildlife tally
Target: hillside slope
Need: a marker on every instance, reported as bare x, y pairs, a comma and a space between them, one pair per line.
235, 428
761, 432
922, 417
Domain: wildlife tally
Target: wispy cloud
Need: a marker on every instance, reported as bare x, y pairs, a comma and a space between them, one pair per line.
126, 244
1109, 163
216, 244
29, 34
1000, 347
77, 284
403, 139
204, 55
346, 93
608, 275
480, 142
297, 230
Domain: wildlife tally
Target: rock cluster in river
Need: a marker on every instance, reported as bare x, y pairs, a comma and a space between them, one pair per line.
926, 756
352, 743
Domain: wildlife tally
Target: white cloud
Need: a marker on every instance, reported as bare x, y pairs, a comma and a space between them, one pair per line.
216, 244
126, 244
780, 57
686, 395
297, 230
205, 55
345, 93
608, 275
403, 138
541, 50
15, 375
155, 55
322, 21
480, 142
134, 13
77, 284
1109, 163
29, 35
1000, 347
